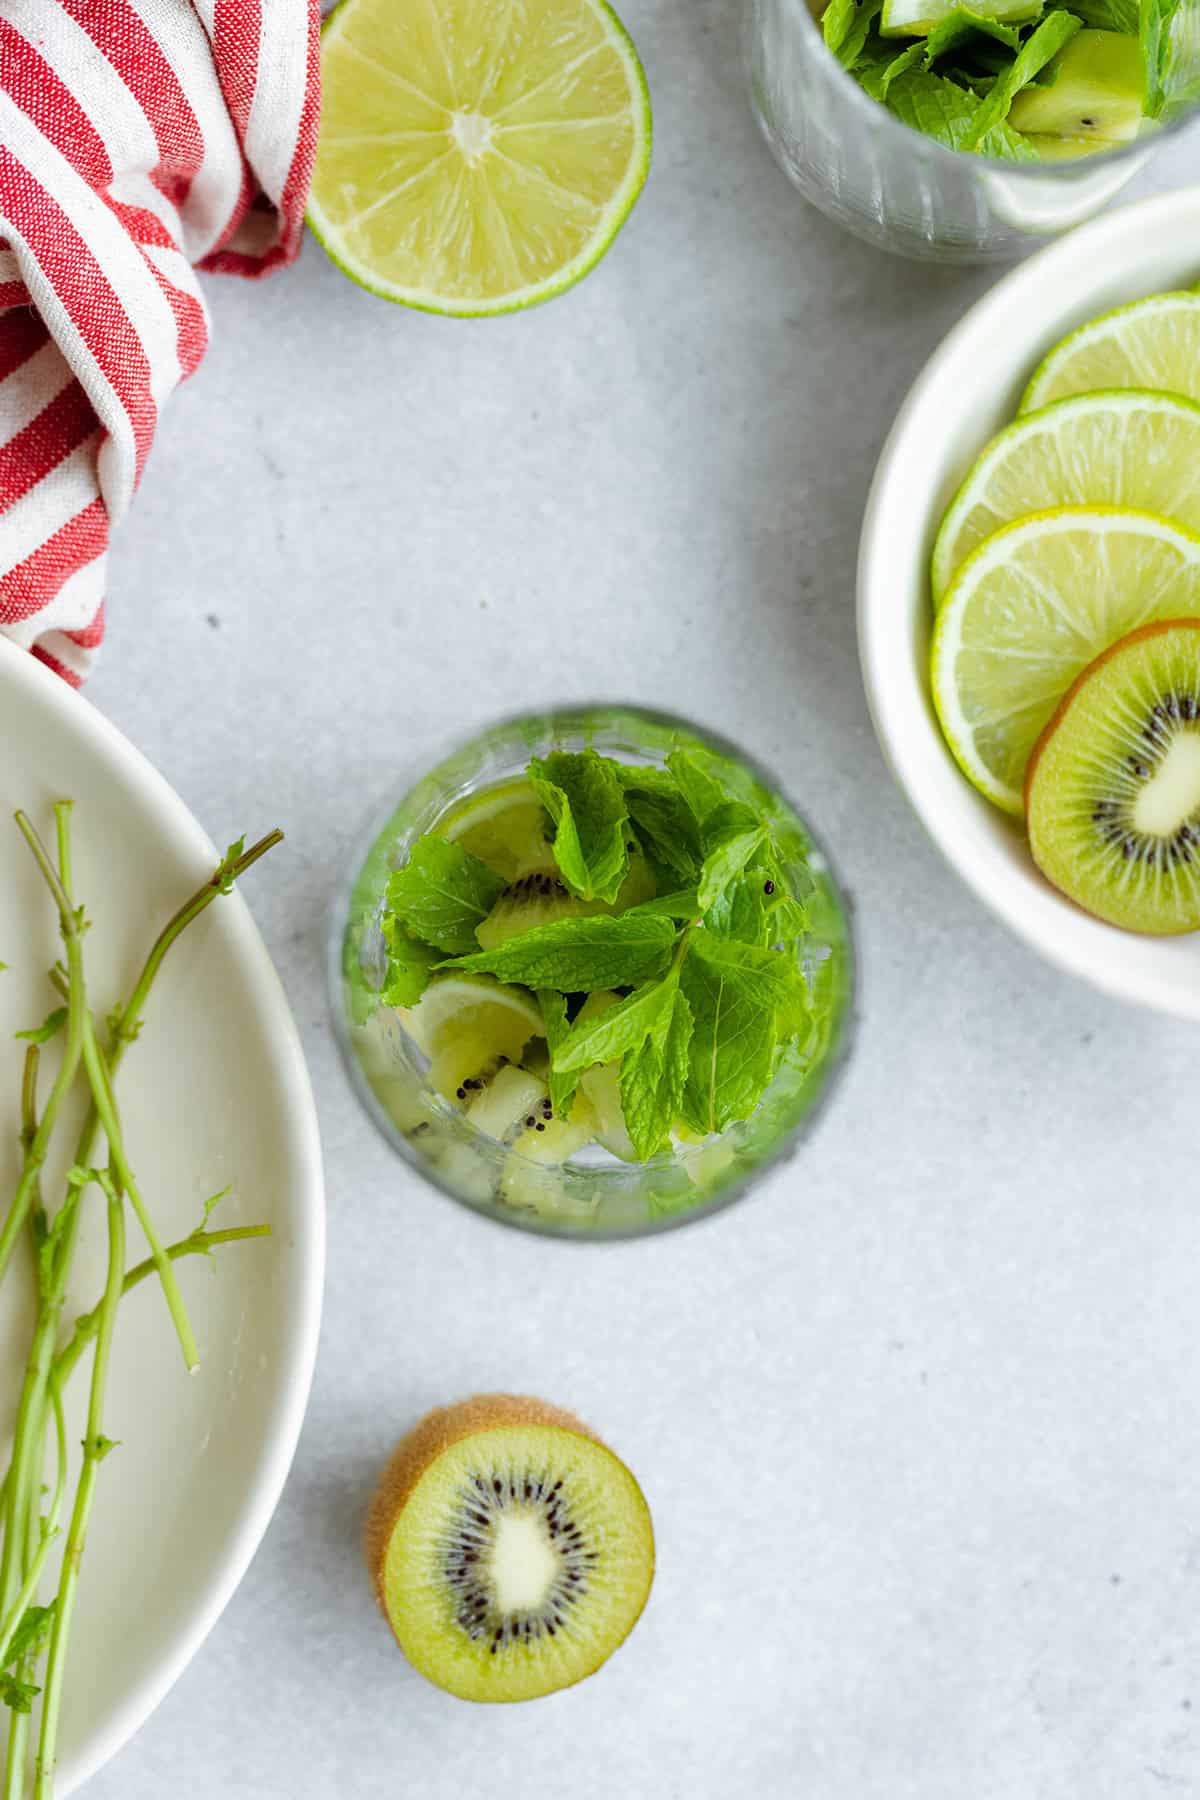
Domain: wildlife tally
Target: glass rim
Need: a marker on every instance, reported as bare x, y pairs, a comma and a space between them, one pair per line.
536, 1224
1042, 170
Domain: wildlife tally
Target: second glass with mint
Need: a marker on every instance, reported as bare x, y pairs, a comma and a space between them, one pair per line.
594, 972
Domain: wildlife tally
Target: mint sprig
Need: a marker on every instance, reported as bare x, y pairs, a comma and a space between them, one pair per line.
583, 795
578, 956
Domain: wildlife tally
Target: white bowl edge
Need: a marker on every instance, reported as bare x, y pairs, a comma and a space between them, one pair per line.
969, 386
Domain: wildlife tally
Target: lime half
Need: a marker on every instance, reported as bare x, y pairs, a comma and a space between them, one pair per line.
1030, 610
476, 156
504, 826
1152, 343
468, 1026
1128, 449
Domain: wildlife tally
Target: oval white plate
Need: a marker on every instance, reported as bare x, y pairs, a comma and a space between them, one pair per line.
968, 389
214, 1092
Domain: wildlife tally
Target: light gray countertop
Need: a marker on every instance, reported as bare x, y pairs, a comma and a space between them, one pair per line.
919, 1423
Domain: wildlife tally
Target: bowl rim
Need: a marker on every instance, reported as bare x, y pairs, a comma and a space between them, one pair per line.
900, 708
185, 839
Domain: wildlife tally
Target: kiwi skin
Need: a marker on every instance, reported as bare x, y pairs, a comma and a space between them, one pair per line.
433, 1435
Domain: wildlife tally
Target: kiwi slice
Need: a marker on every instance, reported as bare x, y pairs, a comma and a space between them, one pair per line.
512, 1552
1096, 92
1113, 787
502, 1106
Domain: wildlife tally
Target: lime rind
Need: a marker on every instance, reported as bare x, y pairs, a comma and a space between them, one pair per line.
614, 216
957, 727
948, 558
1114, 325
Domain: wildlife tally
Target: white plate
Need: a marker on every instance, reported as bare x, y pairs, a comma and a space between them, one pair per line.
968, 389
215, 1091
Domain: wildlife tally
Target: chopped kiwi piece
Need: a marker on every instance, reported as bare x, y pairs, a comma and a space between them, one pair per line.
511, 1551
1096, 92
468, 1027
509, 1099
1113, 786
541, 897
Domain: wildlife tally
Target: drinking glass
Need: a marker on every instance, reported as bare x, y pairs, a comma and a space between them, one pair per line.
594, 1195
902, 190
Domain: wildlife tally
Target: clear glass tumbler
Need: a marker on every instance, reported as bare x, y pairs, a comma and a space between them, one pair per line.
600, 1197
901, 190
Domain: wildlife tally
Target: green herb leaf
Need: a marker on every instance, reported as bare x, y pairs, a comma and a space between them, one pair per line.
943, 110
623, 1027
585, 799
732, 835
770, 978
836, 21
741, 912
562, 1082
1056, 30
959, 26
732, 1052
30, 1634
653, 1075
663, 819
1160, 37
1110, 15
19, 1696
41, 1034
699, 784
853, 42
410, 964
443, 893
683, 904
578, 956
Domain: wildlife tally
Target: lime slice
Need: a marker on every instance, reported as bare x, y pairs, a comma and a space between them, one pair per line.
476, 156
467, 1026
504, 826
1153, 343
1129, 449
1030, 610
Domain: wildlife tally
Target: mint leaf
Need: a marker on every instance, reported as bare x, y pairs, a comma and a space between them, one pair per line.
741, 912
960, 26
410, 964
836, 21
771, 979
942, 110
1109, 15
732, 835
663, 819
584, 797
18, 1695
562, 1082
653, 1075
1056, 30
682, 904
41, 1034
732, 1052
579, 955
697, 782
31, 1633
443, 893
1160, 37
855, 37
623, 1027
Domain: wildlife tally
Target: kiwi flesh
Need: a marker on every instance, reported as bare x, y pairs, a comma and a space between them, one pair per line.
1096, 93
511, 1551
1113, 786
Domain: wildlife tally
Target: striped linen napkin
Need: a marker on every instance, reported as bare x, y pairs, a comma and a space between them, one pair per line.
140, 140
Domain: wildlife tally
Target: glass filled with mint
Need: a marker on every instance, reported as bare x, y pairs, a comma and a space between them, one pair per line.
593, 973
966, 132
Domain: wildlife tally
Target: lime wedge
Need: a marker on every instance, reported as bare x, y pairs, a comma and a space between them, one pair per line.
476, 156
1152, 343
1030, 610
504, 826
467, 1026
1132, 449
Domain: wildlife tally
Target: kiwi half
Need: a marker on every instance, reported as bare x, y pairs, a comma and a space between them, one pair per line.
1092, 92
1112, 790
511, 1551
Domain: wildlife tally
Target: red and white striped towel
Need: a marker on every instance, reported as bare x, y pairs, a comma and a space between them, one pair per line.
139, 140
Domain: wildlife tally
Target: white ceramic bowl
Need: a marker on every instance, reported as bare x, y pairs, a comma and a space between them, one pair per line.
968, 389
214, 1091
